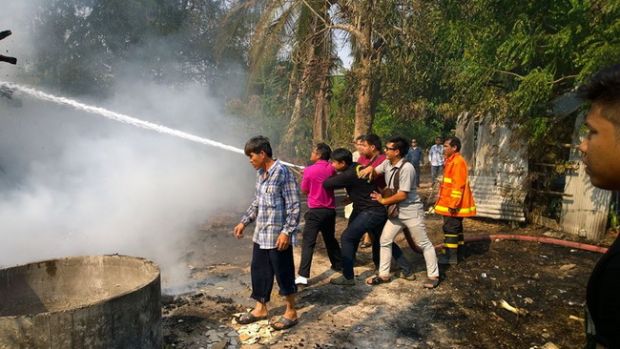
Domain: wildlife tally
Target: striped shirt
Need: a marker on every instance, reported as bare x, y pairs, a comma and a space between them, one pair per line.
275, 207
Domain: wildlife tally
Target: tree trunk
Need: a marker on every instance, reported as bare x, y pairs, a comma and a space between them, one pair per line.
288, 141
321, 105
363, 105
363, 72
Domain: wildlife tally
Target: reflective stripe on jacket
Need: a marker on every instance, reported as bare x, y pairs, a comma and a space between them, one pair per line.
454, 191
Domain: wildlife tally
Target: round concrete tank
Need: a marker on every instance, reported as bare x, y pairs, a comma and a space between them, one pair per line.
81, 302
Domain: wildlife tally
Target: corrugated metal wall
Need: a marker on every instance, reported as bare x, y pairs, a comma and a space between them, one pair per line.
585, 212
498, 167
498, 174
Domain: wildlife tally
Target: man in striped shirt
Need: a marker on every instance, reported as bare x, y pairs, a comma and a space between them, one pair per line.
276, 211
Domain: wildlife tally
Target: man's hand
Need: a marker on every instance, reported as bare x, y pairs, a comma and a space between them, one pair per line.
366, 173
283, 242
238, 230
453, 211
376, 196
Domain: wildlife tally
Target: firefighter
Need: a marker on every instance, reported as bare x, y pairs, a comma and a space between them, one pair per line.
455, 201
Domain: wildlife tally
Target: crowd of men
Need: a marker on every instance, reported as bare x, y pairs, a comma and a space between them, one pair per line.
382, 184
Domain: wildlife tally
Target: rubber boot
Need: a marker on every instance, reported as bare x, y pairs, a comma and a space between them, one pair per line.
448, 257
460, 253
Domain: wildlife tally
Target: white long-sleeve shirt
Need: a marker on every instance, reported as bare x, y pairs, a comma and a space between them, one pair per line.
435, 155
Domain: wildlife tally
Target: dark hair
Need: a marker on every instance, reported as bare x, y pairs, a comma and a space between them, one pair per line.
401, 144
324, 150
454, 142
342, 154
373, 139
360, 138
257, 144
604, 87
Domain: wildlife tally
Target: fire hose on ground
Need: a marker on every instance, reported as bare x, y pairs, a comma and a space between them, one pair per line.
516, 237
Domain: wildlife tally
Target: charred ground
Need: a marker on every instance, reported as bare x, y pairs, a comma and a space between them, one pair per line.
545, 283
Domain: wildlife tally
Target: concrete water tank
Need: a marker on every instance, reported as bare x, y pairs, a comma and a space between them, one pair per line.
81, 302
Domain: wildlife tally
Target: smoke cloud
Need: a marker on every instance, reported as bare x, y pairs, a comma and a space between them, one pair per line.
73, 183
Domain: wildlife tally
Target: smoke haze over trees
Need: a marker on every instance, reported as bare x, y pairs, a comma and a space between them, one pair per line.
227, 69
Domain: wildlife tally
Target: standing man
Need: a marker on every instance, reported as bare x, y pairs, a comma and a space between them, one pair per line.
455, 201
371, 155
368, 215
414, 157
435, 157
600, 156
321, 214
358, 146
400, 179
276, 211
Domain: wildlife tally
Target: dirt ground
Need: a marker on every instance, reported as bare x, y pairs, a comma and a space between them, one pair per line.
545, 284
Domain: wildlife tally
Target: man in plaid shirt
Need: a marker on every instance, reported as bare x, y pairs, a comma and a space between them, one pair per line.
276, 211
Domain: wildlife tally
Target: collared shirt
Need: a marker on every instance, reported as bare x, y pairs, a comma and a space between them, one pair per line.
410, 206
312, 183
374, 162
435, 155
414, 156
275, 207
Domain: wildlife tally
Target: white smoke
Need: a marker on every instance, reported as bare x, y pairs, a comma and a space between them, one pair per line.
73, 183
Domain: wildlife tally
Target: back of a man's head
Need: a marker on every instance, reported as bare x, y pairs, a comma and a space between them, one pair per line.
601, 147
454, 142
342, 155
373, 139
400, 143
603, 89
324, 151
256, 145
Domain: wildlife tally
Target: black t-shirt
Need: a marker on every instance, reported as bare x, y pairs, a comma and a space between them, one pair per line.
358, 189
603, 297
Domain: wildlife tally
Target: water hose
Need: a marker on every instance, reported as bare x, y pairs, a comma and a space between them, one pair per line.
518, 237
540, 239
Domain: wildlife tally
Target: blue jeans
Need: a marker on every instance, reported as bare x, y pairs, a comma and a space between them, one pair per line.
371, 221
436, 171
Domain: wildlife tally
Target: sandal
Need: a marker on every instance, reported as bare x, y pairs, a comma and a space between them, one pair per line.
407, 276
431, 283
365, 244
284, 323
248, 318
376, 280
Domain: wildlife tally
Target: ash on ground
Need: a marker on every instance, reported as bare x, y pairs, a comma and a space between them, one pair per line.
504, 295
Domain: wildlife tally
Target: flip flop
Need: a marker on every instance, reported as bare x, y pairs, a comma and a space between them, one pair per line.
248, 318
431, 283
376, 280
285, 323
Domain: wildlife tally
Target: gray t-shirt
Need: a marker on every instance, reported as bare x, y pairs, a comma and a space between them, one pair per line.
409, 207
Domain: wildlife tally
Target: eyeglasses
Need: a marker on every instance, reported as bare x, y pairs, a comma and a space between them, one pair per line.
388, 148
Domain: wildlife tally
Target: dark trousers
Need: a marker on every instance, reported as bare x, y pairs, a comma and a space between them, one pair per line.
370, 221
453, 231
350, 236
269, 263
417, 175
323, 220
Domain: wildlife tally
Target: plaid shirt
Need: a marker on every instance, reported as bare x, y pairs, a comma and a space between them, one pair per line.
275, 207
